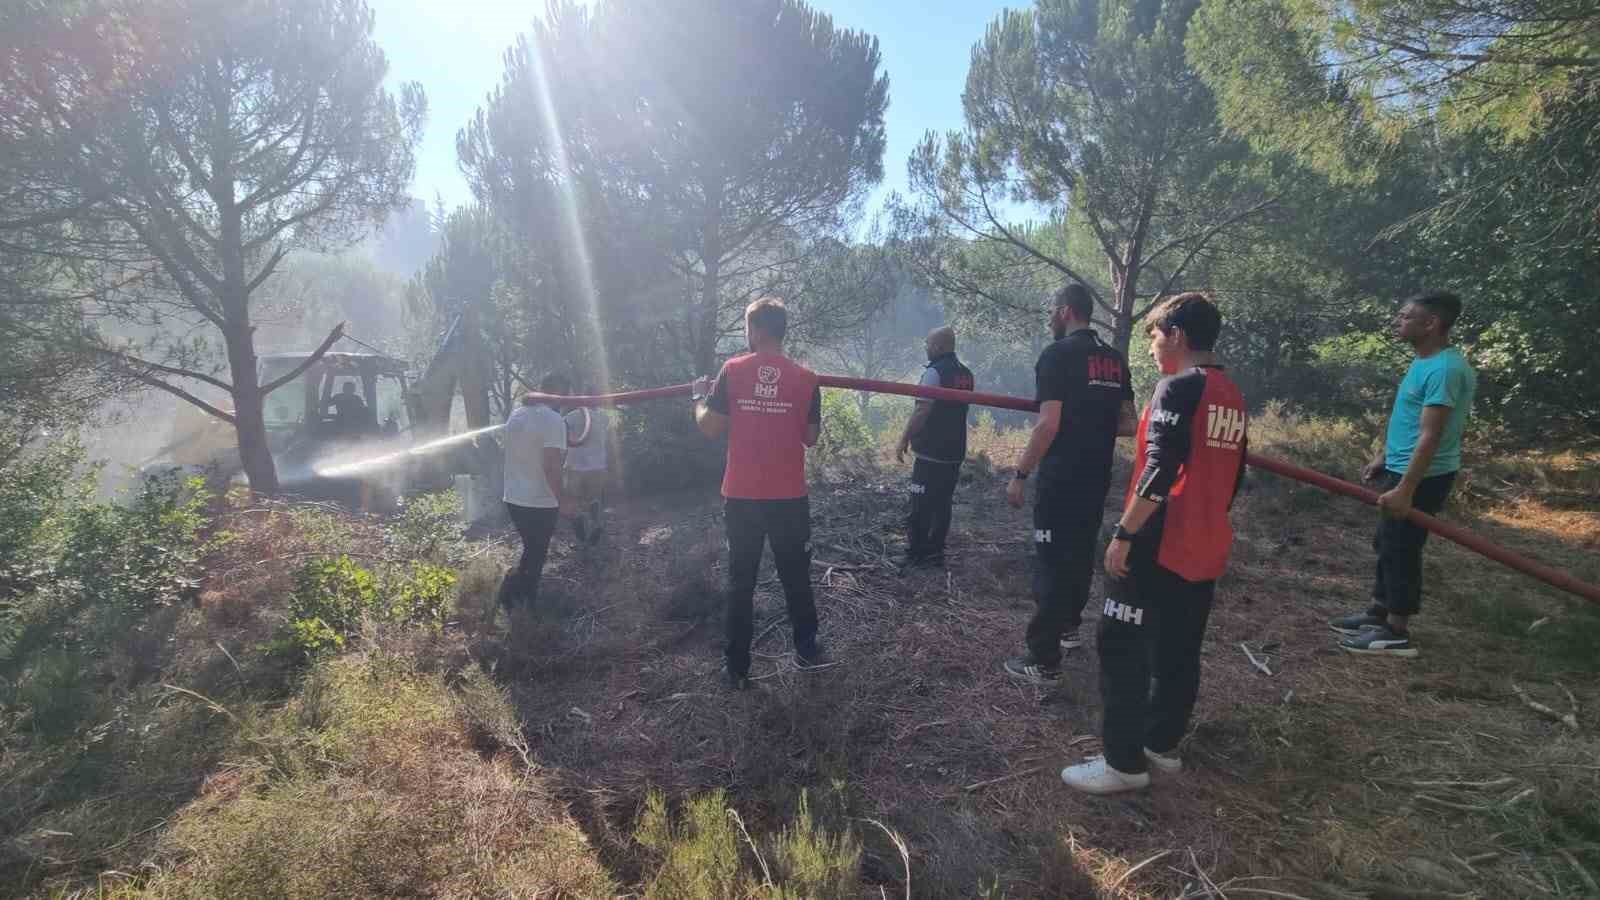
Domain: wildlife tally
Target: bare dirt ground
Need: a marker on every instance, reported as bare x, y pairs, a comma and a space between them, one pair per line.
1334, 776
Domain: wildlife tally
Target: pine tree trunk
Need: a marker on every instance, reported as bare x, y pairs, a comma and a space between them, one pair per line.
705, 339
1125, 284
254, 453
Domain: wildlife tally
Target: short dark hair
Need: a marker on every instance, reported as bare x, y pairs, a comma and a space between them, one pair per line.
1445, 305
1191, 312
769, 316
1076, 297
555, 383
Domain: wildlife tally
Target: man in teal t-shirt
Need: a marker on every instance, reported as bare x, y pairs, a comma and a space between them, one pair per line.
1418, 465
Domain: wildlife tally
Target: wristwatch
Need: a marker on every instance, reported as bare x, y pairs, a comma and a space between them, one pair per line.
1122, 534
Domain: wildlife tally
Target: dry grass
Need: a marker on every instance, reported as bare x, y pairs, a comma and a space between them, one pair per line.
1320, 780
1334, 777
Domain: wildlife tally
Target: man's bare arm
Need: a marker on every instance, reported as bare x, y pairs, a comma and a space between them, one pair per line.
1127, 420
712, 424
1044, 434
1434, 419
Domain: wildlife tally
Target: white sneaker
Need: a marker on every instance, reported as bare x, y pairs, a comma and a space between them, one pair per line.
1165, 763
1096, 776
1072, 640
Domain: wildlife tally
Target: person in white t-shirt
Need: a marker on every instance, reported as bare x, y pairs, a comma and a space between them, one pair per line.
588, 431
536, 442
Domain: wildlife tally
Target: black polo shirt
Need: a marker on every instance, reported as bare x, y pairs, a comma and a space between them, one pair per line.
1092, 381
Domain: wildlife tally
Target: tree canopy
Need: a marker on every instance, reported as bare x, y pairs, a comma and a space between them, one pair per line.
192, 145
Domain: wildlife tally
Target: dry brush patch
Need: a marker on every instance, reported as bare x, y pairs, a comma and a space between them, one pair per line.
1330, 776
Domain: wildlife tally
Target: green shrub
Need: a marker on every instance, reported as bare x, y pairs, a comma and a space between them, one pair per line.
429, 526
143, 554
57, 693
85, 574
36, 490
813, 862
330, 597
422, 596
843, 429
660, 449
702, 854
333, 595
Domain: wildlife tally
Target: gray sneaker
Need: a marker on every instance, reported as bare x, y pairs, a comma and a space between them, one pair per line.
1380, 641
1026, 668
1071, 640
1354, 625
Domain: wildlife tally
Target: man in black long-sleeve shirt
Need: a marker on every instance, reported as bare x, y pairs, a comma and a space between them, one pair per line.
1169, 548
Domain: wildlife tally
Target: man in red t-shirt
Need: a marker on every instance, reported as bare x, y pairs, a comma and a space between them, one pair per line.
770, 408
1167, 552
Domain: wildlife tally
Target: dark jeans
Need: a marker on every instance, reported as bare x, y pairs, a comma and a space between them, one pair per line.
1398, 585
1151, 628
787, 525
933, 491
1066, 532
537, 526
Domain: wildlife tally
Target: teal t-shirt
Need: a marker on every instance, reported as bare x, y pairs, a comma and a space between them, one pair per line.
1443, 379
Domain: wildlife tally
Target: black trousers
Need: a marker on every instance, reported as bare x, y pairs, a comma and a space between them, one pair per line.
1066, 532
537, 526
1151, 628
1398, 585
751, 524
933, 492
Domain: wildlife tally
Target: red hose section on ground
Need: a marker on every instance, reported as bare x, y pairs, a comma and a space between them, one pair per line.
1476, 543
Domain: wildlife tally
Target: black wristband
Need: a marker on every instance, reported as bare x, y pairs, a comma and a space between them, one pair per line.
1019, 475
1122, 534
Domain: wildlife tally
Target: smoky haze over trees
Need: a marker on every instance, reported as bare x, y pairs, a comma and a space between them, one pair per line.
174, 174
194, 145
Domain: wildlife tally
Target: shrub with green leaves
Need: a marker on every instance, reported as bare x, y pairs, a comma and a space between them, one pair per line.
701, 854
97, 568
843, 429
333, 595
429, 526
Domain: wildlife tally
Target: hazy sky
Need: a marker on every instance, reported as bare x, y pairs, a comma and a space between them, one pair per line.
454, 48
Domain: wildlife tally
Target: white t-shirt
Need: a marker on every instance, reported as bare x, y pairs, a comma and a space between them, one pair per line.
590, 456
529, 432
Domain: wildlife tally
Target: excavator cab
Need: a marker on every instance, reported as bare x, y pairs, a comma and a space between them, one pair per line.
344, 406
314, 406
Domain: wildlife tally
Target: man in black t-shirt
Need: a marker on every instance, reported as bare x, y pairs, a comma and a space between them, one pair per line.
1085, 403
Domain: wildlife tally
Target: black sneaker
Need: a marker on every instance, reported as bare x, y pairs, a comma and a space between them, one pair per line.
1025, 668
810, 658
1071, 640
1354, 625
733, 681
1380, 641
909, 563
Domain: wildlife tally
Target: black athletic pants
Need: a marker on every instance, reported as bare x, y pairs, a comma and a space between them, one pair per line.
1398, 585
1151, 628
1066, 532
933, 491
751, 524
537, 526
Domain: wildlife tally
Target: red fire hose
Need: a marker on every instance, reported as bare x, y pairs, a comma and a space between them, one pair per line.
1548, 575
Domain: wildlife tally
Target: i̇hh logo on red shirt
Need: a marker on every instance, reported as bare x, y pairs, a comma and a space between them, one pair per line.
766, 387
